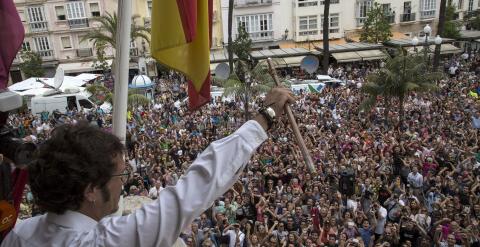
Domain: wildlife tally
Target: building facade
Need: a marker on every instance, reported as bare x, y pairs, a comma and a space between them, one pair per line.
54, 29
268, 21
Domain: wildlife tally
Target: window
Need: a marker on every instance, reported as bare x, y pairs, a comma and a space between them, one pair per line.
307, 3
149, 7
363, 8
386, 8
308, 25
333, 22
428, 8
85, 103
94, 9
60, 12
66, 42
26, 46
36, 19
470, 5
257, 26
75, 10
42, 46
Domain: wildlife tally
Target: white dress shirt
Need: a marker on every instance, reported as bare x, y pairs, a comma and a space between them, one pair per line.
232, 235
160, 222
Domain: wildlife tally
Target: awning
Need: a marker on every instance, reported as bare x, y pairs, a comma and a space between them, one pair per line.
445, 49
345, 57
369, 55
77, 67
293, 61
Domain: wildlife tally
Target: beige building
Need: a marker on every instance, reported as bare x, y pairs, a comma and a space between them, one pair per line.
54, 29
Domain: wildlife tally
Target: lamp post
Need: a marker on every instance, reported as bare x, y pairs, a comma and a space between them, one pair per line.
415, 43
286, 34
438, 43
427, 30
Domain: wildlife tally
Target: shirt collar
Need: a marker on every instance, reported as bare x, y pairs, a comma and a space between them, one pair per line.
73, 220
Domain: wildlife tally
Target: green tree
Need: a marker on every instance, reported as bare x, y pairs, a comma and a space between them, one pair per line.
242, 45
100, 62
105, 34
31, 64
472, 19
452, 27
400, 76
376, 28
101, 94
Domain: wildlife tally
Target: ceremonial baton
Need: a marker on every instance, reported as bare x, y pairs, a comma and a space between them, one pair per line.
293, 123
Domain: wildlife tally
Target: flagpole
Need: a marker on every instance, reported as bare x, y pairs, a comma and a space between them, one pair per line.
122, 57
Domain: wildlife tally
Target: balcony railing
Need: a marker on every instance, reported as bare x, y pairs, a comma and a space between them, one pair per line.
261, 35
360, 21
78, 23
46, 53
427, 14
246, 3
84, 52
38, 27
407, 17
390, 18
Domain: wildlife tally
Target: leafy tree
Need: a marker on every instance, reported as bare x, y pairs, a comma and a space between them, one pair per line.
106, 33
472, 19
452, 27
31, 64
376, 28
100, 62
242, 44
400, 76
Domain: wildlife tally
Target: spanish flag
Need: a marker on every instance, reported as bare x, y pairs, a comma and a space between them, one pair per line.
181, 31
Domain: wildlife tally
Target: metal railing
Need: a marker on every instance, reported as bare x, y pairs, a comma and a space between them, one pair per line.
261, 35
407, 17
78, 23
38, 27
360, 21
46, 53
427, 14
390, 18
134, 52
84, 52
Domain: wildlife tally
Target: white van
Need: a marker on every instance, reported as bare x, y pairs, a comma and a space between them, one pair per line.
60, 102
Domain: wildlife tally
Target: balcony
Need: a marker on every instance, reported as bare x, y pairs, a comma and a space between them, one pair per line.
360, 21
407, 17
248, 3
36, 27
84, 52
390, 18
78, 23
261, 35
46, 54
427, 14
307, 3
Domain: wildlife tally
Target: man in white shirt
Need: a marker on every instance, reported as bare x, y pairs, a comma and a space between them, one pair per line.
78, 174
155, 190
236, 237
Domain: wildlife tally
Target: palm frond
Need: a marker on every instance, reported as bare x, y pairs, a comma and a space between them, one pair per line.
368, 103
137, 99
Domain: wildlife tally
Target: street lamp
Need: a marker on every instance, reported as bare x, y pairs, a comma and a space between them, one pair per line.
427, 30
415, 43
286, 34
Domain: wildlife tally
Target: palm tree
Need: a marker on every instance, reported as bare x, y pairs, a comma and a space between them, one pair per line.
440, 28
400, 76
260, 81
326, 32
107, 32
134, 97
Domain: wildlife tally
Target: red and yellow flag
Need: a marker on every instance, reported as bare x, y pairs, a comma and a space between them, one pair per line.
181, 31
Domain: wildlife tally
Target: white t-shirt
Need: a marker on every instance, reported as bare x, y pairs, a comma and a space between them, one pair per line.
381, 220
233, 235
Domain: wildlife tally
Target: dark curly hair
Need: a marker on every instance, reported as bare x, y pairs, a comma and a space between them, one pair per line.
74, 157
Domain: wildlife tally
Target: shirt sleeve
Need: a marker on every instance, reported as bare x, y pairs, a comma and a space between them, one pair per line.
211, 174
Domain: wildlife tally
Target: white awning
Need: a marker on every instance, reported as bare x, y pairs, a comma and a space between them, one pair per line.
293, 61
77, 67
444, 49
477, 40
345, 57
369, 55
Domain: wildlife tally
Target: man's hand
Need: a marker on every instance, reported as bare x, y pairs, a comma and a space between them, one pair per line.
277, 98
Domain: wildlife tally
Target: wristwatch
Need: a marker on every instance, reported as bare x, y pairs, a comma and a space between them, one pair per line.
269, 114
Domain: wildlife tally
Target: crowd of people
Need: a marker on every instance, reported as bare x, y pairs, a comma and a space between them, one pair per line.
379, 181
